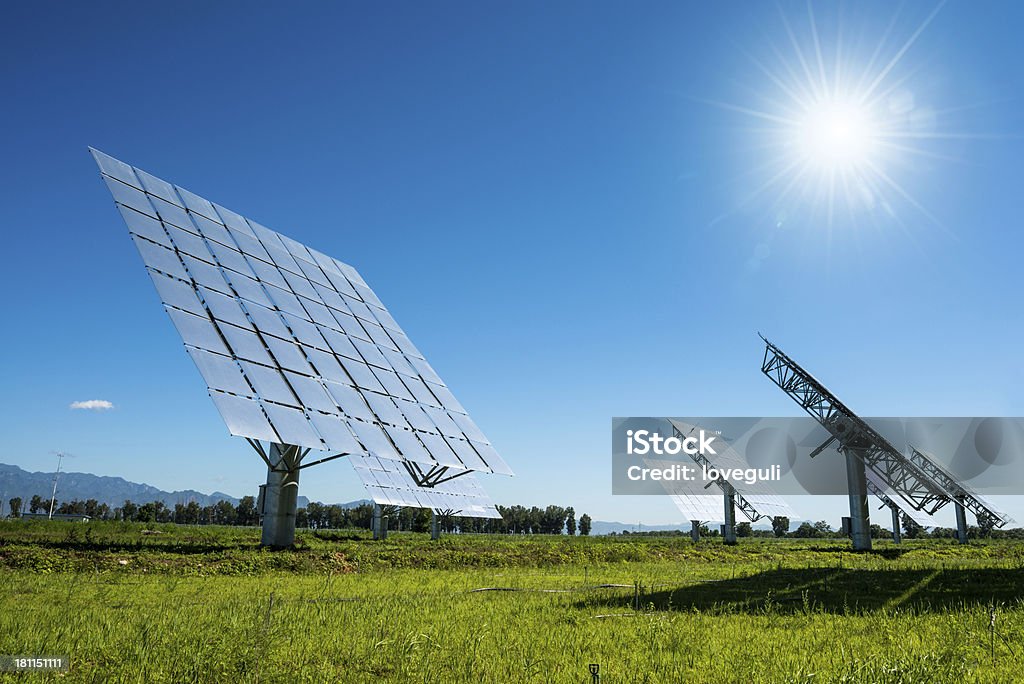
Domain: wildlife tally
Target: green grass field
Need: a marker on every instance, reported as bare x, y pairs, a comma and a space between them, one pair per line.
184, 604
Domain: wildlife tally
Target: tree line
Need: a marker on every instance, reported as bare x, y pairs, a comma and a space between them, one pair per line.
191, 513
514, 519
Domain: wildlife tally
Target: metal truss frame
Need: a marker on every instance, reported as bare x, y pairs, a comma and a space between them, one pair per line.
854, 435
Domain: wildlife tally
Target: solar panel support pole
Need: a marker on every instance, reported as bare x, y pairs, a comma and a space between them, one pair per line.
695, 530
280, 497
435, 526
376, 521
856, 482
961, 522
729, 528
896, 533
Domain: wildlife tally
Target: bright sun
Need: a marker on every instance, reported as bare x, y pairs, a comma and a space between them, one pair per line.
839, 125
836, 136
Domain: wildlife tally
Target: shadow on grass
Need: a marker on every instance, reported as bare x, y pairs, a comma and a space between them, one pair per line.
177, 547
837, 590
338, 536
886, 553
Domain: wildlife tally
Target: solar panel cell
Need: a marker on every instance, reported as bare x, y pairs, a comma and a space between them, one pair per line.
177, 293
160, 258
130, 196
220, 372
244, 417
197, 204
145, 226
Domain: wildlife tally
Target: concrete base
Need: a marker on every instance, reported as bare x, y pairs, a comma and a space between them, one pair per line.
860, 520
961, 522
280, 497
695, 530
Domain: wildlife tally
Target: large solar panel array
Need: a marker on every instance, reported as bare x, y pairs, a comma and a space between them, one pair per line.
294, 346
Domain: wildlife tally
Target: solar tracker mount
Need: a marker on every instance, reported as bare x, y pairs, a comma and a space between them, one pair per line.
916, 478
299, 352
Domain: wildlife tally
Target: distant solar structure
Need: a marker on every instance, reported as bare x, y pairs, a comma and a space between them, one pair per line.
916, 478
298, 351
388, 483
753, 506
881, 491
698, 507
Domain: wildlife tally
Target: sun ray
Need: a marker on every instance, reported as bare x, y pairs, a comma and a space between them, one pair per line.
870, 65
800, 56
903, 50
817, 48
840, 122
807, 89
918, 152
748, 111
773, 77
924, 135
899, 189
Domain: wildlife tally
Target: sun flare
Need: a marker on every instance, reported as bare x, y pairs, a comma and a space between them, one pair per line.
841, 126
836, 135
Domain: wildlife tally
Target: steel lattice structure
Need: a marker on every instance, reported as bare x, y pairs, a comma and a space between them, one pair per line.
916, 478
852, 433
957, 491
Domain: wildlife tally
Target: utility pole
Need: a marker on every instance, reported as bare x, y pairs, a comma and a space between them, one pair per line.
53, 496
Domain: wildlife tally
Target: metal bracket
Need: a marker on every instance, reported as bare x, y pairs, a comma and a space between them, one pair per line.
824, 445
433, 477
322, 460
258, 448
291, 456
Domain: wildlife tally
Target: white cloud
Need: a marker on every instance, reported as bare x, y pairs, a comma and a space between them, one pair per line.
92, 405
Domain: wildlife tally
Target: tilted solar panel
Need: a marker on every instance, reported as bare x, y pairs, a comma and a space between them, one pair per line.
702, 507
762, 497
294, 346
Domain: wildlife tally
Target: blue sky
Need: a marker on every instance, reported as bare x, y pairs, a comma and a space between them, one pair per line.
565, 205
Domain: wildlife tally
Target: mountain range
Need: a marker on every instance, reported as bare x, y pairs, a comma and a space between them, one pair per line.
112, 491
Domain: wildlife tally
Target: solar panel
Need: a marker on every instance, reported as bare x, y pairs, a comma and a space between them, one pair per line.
771, 505
761, 496
389, 483
702, 507
294, 346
